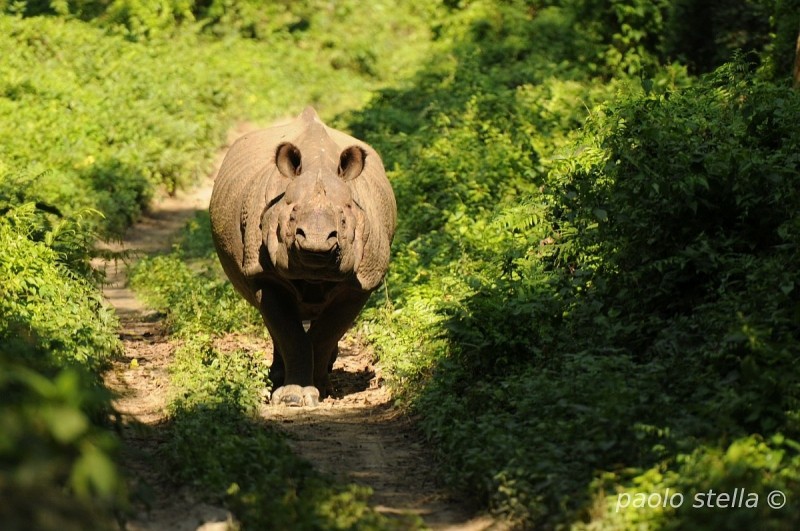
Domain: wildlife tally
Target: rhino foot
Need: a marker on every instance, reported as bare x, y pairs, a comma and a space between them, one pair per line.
296, 396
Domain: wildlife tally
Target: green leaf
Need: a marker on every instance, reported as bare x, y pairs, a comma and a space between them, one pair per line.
94, 473
65, 423
600, 214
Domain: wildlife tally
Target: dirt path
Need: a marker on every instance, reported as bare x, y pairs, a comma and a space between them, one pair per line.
141, 380
361, 438
357, 437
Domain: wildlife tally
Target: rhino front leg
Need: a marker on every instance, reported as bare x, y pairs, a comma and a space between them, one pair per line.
293, 346
326, 332
277, 373
332, 360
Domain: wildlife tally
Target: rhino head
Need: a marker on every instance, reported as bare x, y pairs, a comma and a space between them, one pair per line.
313, 226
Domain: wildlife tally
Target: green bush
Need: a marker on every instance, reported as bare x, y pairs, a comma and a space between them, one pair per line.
57, 467
607, 310
644, 316
56, 458
635, 37
698, 199
43, 301
114, 130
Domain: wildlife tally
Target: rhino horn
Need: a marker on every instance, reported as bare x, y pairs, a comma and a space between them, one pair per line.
310, 115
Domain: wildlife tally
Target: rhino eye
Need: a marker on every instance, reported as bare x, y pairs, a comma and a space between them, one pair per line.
351, 162
288, 160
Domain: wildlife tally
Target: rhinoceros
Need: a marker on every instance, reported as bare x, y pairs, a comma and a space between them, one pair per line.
302, 217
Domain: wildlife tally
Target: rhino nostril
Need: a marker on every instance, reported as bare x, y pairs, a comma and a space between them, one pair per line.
300, 233
333, 235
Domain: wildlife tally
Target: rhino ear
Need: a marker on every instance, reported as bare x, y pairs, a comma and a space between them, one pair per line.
288, 160
351, 163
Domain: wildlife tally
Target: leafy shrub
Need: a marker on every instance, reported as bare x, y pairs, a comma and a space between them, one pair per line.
44, 302
750, 468
629, 33
114, 132
56, 464
55, 336
612, 304
635, 37
665, 276
698, 200
318, 27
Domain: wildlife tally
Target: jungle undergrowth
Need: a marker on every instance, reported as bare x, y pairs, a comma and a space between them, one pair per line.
594, 269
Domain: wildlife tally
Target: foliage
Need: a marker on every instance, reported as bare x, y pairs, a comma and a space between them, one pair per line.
604, 312
750, 468
636, 36
44, 302
122, 119
114, 131
56, 465
685, 224
630, 33
321, 29
693, 257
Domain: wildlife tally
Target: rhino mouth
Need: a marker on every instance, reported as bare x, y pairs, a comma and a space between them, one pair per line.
318, 261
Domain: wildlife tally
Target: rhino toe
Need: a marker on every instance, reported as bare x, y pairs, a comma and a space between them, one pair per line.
296, 396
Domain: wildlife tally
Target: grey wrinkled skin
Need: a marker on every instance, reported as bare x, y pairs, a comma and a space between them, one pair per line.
303, 217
